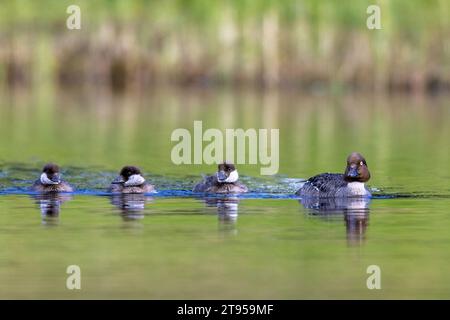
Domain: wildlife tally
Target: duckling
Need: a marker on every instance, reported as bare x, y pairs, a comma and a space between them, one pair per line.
130, 180
224, 181
50, 180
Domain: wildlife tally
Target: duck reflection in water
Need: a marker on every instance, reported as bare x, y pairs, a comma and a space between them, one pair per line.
50, 206
131, 205
354, 210
227, 212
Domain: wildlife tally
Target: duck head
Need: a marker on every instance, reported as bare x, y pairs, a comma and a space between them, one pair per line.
356, 170
50, 174
131, 176
227, 173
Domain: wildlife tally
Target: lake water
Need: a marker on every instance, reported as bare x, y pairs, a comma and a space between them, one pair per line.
267, 244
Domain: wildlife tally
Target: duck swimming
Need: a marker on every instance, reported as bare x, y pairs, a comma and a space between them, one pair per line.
50, 180
130, 180
349, 184
224, 181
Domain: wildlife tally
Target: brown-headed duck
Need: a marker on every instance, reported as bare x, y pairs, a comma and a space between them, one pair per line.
349, 184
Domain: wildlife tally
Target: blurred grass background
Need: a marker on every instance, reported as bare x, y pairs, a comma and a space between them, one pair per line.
305, 44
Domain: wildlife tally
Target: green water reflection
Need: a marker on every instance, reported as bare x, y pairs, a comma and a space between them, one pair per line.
184, 249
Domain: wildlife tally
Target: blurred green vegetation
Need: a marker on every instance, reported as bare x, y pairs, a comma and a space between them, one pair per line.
305, 43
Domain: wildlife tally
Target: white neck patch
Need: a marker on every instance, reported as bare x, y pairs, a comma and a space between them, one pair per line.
357, 188
45, 180
134, 180
233, 177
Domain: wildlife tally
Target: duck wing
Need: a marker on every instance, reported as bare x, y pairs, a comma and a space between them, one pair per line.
206, 184
322, 184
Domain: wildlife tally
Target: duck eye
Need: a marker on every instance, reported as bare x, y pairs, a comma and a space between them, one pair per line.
361, 163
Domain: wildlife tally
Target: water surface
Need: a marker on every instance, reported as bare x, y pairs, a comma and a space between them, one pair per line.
267, 244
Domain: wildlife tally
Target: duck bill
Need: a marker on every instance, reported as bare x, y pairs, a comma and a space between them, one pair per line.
352, 173
221, 176
119, 180
56, 178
